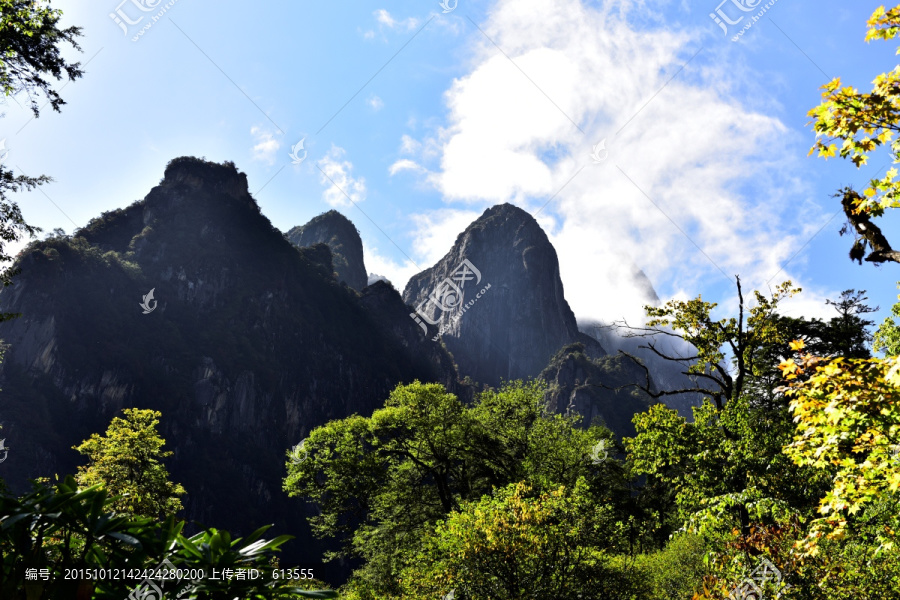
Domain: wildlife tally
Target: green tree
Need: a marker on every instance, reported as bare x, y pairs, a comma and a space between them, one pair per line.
727, 473
380, 484
728, 353
126, 461
70, 533
861, 123
518, 544
887, 337
847, 409
848, 421
845, 335
30, 50
726, 467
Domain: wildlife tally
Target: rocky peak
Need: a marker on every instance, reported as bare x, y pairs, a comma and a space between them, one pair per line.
497, 299
342, 237
197, 173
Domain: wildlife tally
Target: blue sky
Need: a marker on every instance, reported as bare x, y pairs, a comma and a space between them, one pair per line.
426, 118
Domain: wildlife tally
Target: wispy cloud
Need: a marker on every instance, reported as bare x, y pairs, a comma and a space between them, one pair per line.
409, 145
682, 138
375, 103
386, 21
340, 185
384, 18
265, 146
405, 164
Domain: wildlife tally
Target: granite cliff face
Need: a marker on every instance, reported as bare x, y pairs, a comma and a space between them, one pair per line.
335, 230
497, 299
246, 345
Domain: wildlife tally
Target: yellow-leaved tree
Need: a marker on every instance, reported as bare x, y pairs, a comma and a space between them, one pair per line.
855, 125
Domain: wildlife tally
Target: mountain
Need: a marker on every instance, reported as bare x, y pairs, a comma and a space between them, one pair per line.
335, 230
599, 389
496, 299
666, 374
190, 302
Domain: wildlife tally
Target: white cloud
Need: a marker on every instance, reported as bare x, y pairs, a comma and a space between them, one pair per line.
684, 153
409, 145
809, 304
422, 152
397, 273
404, 164
375, 103
338, 181
435, 233
373, 277
266, 145
385, 19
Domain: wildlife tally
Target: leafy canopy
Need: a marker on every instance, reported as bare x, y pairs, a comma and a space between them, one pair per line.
855, 125
63, 527
380, 484
848, 419
30, 49
126, 460
725, 469
517, 544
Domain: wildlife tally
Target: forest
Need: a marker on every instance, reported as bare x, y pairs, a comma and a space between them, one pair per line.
782, 482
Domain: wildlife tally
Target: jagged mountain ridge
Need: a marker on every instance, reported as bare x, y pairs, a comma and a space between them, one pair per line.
252, 341
250, 344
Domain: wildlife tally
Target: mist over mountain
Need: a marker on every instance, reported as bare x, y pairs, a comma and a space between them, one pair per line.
666, 374
601, 390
